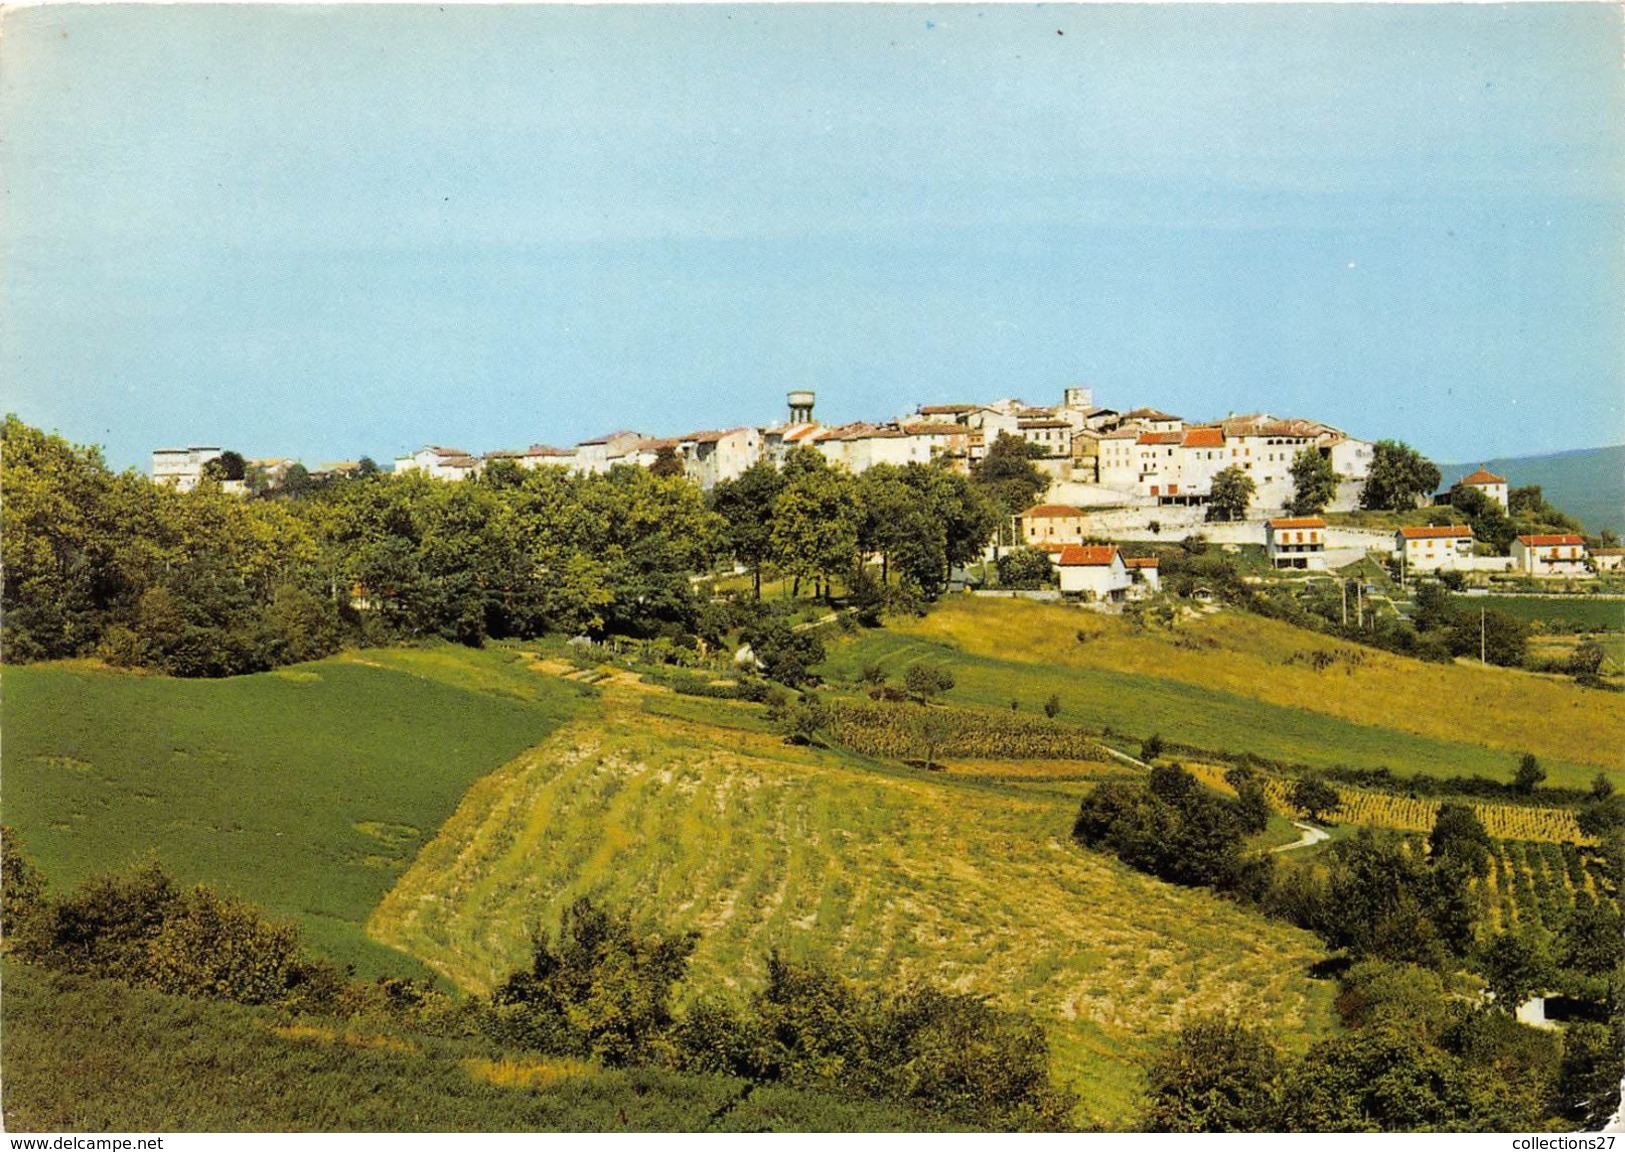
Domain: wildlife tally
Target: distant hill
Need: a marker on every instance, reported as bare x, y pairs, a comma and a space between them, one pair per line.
1588, 483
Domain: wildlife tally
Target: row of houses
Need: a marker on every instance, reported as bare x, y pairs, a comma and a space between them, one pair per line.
1301, 543
1141, 456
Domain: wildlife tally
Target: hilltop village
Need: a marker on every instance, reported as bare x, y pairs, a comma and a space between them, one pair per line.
1114, 476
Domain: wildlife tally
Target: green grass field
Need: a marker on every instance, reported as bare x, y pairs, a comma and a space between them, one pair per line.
1579, 612
308, 790
1229, 683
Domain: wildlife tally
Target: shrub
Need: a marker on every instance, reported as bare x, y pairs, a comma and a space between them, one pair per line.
601, 989
1218, 1075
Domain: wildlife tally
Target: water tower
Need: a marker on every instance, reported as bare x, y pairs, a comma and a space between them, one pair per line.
801, 407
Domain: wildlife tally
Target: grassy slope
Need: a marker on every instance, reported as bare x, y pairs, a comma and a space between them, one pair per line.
1222, 682
883, 872
307, 790
94, 1056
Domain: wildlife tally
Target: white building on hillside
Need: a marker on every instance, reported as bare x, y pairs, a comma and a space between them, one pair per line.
1487, 482
1429, 549
1296, 542
1558, 555
439, 463
182, 467
1095, 571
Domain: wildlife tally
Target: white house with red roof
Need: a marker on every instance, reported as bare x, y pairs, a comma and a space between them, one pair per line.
1487, 482
1555, 555
440, 463
1095, 571
1296, 542
1433, 547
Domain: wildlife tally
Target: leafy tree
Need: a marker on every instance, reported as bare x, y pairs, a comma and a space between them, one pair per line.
1151, 747
1586, 659
1313, 797
1314, 482
1515, 967
932, 729
1252, 801
1025, 568
1459, 839
1052, 706
1592, 939
1231, 492
23, 899
599, 989
1382, 1079
366, 466
228, 465
1007, 477
1601, 786
1587, 1090
815, 519
924, 681
666, 462
1380, 902
1490, 523
1398, 478
1219, 1074
1529, 776
1395, 995
805, 719
786, 655
296, 481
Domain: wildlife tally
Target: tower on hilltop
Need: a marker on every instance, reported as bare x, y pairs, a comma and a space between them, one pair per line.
1082, 399
801, 407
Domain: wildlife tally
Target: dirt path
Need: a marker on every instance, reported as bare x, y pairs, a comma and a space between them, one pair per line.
1311, 835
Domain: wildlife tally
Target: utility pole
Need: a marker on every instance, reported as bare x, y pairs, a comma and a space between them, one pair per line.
1343, 586
1481, 647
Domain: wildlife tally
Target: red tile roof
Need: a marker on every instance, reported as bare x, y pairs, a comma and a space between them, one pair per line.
1042, 423
1203, 438
1483, 476
1088, 555
1549, 541
1436, 532
945, 409
1140, 561
1161, 437
1039, 510
1299, 522
925, 429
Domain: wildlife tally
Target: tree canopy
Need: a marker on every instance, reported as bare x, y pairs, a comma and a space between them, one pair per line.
1399, 478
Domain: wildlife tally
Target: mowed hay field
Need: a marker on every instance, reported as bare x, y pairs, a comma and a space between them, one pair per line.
307, 790
884, 873
1224, 682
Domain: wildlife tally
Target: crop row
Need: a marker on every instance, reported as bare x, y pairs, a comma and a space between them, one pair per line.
1556, 826
1537, 884
905, 731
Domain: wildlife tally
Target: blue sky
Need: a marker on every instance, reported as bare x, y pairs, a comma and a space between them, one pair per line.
324, 232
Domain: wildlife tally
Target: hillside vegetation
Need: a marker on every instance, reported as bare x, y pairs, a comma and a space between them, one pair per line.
97, 1056
306, 790
880, 872
1239, 683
